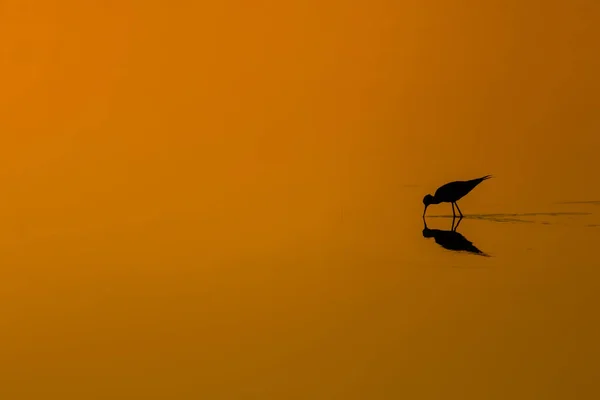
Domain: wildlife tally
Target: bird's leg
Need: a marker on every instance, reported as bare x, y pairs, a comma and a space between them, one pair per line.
458, 223
461, 214
453, 213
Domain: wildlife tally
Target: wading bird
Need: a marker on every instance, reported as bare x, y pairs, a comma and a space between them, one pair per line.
451, 193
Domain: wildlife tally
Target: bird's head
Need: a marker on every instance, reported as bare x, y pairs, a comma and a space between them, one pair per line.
427, 200
426, 231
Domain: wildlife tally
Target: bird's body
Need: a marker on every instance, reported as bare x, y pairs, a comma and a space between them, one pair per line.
452, 192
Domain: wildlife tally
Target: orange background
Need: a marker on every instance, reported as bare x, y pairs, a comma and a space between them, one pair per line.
176, 176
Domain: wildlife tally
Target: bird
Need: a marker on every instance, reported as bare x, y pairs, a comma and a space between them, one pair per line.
451, 240
452, 192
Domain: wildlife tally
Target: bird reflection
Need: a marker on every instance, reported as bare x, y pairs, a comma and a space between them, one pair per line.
451, 240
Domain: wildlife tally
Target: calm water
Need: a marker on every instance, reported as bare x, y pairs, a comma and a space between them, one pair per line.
223, 200
361, 307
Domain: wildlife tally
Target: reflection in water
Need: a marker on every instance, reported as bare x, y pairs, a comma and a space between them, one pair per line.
451, 240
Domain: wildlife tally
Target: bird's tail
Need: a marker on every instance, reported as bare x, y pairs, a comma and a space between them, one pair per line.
486, 177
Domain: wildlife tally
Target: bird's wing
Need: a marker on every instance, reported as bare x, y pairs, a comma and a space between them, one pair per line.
477, 181
455, 190
446, 190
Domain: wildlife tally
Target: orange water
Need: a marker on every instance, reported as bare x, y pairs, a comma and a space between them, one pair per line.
223, 201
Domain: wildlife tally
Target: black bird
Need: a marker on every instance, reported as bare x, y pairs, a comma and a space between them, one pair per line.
451, 240
451, 193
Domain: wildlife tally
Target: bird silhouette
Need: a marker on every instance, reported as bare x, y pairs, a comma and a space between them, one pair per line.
451, 240
451, 193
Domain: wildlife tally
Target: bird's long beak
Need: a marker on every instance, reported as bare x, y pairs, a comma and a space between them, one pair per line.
424, 211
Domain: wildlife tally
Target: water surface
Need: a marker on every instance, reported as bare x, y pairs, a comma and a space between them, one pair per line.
223, 201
